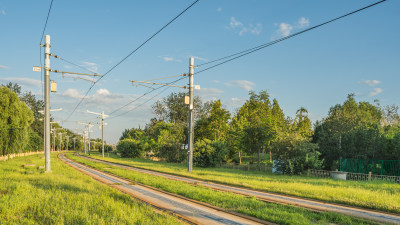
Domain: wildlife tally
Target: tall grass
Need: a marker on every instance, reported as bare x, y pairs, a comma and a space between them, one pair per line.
65, 196
281, 214
378, 195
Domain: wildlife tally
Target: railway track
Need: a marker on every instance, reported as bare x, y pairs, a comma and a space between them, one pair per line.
373, 215
188, 210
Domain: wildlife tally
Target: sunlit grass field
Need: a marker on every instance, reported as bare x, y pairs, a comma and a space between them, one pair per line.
65, 196
281, 214
378, 195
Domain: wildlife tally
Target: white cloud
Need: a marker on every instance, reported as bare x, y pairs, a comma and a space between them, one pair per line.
219, 9
235, 102
90, 66
376, 91
4, 67
3, 12
285, 29
234, 23
23, 81
216, 81
169, 59
370, 82
101, 96
72, 93
303, 22
67, 67
208, 93
243, 84
241, 28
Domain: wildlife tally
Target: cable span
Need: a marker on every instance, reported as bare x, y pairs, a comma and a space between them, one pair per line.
254, 49
40, 46
140, 46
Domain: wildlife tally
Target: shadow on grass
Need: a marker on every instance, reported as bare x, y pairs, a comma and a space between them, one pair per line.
47, 185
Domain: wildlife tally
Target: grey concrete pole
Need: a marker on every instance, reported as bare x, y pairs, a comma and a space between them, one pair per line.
47, 102
60, 134
67, 141
102, 133
54, 141
191, 120
89, 136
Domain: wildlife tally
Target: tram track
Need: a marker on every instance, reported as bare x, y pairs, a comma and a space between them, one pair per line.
188, 210
369, 214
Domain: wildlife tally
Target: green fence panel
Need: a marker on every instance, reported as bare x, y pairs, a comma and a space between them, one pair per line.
375, 166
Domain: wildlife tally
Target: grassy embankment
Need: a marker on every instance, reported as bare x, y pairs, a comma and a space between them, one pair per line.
28, 195
277, 213
378, 195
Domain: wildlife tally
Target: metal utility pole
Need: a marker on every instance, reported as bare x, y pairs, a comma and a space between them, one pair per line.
84, 141
54, 140
67, 141
188, 101
102, 116
191, 120
88, 125
74, 143
60, 134
47, 102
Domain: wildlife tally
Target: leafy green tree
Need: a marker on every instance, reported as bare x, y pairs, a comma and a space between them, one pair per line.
253, 124
15, 121
213, 126
348, 131
174, 110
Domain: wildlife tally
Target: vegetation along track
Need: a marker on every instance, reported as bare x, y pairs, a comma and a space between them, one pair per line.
368, 214
186, 209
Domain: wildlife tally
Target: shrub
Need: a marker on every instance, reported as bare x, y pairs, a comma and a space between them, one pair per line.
129, 148
303, 156
207, 153
172, 152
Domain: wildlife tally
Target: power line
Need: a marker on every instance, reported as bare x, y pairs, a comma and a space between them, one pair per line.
257, 48
135, 50
165, 88
67, 61
251, 50
40, 45
142, 97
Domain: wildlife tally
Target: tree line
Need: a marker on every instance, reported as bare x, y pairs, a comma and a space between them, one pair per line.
22, 126
259, 128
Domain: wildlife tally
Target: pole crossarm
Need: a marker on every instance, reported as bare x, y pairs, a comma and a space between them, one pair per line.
162, 84
84, 74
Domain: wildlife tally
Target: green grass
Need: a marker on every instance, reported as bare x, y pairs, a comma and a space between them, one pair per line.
65, 196
276, 213
378, 195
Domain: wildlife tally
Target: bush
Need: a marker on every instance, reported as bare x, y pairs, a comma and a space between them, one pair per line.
303, 156
172, 152
129, 148
207, 153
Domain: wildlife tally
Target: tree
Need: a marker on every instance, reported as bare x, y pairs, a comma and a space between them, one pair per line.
346, 131
15, 121
213, 126
173, 109
253, 124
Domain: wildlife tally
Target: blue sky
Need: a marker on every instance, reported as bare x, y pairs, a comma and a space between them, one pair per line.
316, 70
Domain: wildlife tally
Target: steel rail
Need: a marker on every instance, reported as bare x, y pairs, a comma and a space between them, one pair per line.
189, 210
369, 214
